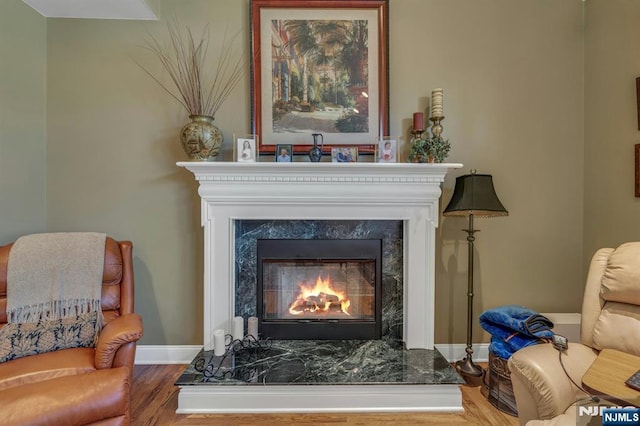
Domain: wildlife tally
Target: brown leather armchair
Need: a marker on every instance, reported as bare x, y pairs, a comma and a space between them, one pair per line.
81, 385
610, 319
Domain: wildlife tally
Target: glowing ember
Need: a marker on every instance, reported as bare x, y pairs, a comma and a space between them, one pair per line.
321, 298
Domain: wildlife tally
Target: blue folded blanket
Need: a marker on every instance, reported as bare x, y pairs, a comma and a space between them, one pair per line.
514, 327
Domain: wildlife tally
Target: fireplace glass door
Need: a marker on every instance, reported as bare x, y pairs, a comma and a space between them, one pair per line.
310, 290
319, 289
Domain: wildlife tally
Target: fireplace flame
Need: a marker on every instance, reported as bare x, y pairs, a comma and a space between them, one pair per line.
322, 297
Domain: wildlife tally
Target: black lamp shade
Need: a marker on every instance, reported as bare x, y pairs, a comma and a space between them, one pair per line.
474, 195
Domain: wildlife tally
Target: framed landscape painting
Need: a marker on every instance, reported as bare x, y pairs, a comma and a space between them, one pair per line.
319, 66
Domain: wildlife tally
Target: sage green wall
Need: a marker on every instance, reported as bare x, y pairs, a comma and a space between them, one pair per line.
612, 63
512, 71
513, 78
23, 45
112, 150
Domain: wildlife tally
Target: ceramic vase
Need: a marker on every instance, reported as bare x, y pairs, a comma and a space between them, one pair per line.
200, 139
315, 153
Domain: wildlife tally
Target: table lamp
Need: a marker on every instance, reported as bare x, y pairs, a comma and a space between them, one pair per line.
473, 195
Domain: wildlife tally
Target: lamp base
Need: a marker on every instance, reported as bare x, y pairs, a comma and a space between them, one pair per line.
471, 372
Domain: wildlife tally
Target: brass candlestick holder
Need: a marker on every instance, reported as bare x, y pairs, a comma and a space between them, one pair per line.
436, 128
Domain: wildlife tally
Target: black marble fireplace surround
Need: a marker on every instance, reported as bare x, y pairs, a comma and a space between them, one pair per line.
389, 232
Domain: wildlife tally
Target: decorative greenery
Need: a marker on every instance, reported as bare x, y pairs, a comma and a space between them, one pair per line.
434, 150
418, 152
439, 148
183, 59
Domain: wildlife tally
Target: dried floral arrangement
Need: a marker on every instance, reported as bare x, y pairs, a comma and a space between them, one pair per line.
199, 91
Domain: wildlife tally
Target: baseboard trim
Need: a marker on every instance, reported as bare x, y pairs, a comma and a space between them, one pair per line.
206, 399
456, 351
184, 354
166, 354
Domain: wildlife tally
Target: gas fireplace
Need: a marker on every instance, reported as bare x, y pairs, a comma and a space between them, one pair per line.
319, 289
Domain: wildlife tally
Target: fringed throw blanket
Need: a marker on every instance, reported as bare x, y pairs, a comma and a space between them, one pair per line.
54, 284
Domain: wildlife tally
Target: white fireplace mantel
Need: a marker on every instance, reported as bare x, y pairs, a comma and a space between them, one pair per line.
321, 191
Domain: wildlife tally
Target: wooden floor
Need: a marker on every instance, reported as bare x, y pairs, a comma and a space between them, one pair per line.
155, 399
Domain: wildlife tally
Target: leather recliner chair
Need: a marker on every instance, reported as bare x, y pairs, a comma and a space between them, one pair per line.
81, 385
610, 319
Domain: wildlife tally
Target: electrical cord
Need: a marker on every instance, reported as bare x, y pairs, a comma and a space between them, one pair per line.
591, 397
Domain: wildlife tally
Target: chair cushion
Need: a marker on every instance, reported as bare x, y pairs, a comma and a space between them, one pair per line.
618, 327
621, 279
19, 340
618, 322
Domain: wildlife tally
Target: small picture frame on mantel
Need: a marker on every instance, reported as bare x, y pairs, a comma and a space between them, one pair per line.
284, 153
387, 150
245, 148
344, 154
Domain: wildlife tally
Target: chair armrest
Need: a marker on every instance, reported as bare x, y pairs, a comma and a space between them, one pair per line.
116, 333
542, 389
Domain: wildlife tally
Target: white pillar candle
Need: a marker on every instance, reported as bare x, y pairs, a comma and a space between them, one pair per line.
252, 327
218, 342
238, 328
437, 97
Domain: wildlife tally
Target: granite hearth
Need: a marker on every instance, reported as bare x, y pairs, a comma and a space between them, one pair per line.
380, 368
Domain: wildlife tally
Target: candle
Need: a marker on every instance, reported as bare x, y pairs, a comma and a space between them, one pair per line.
418, 122
437, 96
252, 327
238, 328
218, 342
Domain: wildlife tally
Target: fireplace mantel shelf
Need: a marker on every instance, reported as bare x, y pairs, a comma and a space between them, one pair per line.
317, 184
319, 172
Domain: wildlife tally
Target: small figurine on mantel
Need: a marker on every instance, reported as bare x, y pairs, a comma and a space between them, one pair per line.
425, 149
